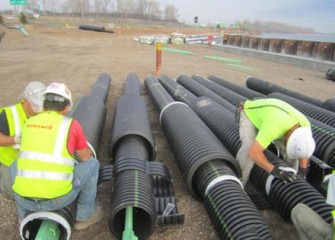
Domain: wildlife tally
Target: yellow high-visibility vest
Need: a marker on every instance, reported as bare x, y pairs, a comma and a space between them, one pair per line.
16, 117
44, 166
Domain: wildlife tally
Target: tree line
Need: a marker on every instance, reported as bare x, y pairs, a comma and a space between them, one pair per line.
140, 9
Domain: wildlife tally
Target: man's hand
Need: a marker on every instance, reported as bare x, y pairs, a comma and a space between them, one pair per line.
302, 173
17, 138
283, 175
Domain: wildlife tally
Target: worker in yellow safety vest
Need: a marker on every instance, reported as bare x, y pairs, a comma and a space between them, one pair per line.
12, 119
308, 223
55, 166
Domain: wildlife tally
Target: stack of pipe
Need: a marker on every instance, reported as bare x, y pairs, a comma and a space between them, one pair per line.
222, 123
209, 170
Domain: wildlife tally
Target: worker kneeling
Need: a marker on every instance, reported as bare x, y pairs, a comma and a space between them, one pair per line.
55, 166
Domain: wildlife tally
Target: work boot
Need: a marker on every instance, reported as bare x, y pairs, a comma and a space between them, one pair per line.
96, 217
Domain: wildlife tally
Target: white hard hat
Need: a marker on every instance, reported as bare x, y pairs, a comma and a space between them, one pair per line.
301, 143
61, 90
33, 92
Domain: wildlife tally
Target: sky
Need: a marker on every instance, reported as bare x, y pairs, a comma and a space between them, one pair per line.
316, 14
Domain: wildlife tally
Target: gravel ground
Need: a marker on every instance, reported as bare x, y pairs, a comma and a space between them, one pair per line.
76, 57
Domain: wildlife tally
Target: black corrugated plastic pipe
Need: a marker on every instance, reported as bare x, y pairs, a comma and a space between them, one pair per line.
178, 92
158, 93
91, 114
329, 104
317, 113
193, 143
131, 118
133, 188
283, 197
101, 87
225, 93
230, 209
200, 90
246, 92
131, 146
65, 218
266, 88
132, 149
232, 214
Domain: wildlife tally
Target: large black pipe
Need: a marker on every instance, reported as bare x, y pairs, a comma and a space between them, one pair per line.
225, 93
266, 88
91, 114
307, 109
246, 92
329, 104
178, 92
132, 149
131, 118
101, 87
193, 143
158, 92
200, 90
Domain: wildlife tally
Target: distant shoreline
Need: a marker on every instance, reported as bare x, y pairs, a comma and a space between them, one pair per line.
317, 37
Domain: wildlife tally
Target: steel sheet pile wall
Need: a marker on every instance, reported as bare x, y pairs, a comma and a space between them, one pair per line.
208, 168
140, 184
308, 49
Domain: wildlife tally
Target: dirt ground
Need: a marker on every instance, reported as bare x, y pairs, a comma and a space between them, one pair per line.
53, 52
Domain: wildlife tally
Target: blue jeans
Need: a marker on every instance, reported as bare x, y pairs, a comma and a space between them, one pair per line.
84, 190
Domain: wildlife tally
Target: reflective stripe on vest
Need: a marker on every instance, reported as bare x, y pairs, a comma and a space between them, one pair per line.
16, 118
56, 157
17, 126
44, 175
45, 167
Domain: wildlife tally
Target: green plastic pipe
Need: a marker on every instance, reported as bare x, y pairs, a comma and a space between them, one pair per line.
128, 233
177, 51
48, 230
228, 60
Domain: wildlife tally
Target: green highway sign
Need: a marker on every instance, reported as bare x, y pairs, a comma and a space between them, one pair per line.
18, 2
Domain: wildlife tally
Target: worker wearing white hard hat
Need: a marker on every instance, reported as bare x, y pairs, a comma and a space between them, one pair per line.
55, 165
12, 119
266, 121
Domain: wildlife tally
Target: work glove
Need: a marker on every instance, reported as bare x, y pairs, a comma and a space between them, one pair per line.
17, 141
283, 175
17, 138
302, 173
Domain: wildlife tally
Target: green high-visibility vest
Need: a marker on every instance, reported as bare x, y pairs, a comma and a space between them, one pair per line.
16, 117
44, 166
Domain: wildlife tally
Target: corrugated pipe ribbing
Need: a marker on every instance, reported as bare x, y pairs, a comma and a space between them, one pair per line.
246, 92
317, 113
225, 93
200, 90
266, 88
329, 104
